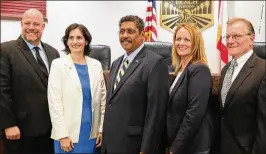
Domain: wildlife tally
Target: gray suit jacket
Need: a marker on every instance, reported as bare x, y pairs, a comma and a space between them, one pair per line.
135, 112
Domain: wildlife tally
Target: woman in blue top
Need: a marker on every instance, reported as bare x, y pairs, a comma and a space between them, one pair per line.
76, 95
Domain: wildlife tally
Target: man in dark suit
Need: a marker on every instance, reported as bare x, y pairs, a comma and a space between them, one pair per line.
24, 114
137, 94
242, 95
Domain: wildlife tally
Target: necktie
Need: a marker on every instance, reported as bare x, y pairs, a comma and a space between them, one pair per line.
40, 61
121, 73
228, 80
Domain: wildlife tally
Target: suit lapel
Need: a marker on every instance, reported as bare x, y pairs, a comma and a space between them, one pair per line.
33, 62
91, 66
133, 65
179, 81
71, 71
114, 72
243, 74
48, 55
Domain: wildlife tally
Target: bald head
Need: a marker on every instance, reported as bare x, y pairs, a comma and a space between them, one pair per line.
33, 12
32, 26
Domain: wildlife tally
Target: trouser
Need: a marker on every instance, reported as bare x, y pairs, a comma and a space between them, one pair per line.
41, 144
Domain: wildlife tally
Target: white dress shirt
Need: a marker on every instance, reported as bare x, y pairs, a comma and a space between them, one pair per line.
132, 55
41, 51
240, 63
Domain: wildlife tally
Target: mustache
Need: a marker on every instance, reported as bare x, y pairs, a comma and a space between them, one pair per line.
126, 40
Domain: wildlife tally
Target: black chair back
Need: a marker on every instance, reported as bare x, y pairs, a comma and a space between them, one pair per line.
260, 49
103, 54
164, 49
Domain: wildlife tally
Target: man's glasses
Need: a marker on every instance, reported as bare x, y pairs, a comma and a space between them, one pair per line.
235, 36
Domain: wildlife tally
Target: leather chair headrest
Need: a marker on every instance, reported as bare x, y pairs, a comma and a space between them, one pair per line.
259, 49
164, 49
103, 54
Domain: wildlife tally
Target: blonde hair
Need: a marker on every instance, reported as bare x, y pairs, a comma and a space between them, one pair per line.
197, 53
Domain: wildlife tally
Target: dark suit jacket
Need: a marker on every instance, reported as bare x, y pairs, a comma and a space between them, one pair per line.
24, 88
136, 111
243, 122
189, 122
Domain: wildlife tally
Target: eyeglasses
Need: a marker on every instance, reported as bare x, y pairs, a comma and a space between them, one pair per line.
129, 31
235, 36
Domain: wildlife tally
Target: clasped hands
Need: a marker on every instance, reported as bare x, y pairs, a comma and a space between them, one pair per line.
67, 144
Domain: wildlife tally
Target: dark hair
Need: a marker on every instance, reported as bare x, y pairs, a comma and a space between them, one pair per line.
86, 34
137, 20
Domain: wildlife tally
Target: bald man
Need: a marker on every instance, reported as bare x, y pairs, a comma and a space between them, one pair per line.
24, 114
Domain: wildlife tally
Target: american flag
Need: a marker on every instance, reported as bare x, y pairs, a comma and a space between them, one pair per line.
151, 22
222, 20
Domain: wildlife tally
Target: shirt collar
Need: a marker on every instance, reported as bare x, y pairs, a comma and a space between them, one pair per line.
244, 58
133, 54
31, 46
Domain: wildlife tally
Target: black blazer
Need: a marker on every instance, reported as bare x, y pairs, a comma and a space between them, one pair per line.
135, 112
189, 123
243, 121
24, 88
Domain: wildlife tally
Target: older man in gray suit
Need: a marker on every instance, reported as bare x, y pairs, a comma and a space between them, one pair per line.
243, 97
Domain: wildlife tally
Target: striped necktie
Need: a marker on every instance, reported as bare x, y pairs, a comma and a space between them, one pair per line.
120, 73
228, 80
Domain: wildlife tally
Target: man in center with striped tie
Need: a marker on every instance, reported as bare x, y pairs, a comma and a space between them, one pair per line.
137, 94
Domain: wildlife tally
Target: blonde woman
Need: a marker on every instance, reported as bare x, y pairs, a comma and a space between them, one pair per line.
76, 95
189, 121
